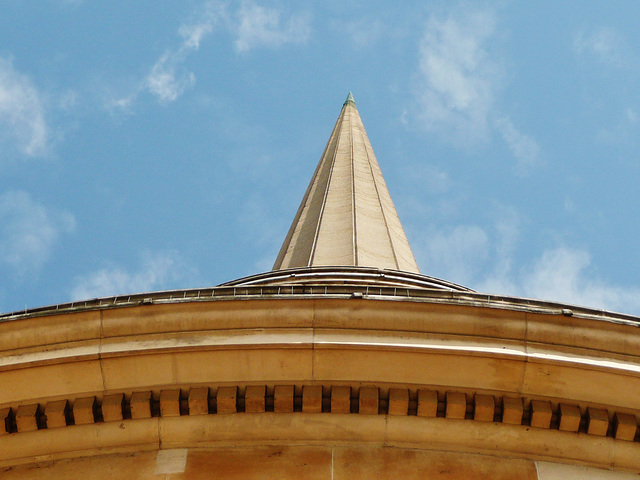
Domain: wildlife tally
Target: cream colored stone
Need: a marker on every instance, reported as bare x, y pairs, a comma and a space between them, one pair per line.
368, 400
112, 407
398, 401
84, 410
170, 403
56, 413
226, 399
312, 398
569, 417
456, 405
198, 401
27, 417
340, 399
427, 403
254, 398
598, 421
625, 426
283, 398
512, 410
171, 461
541, 414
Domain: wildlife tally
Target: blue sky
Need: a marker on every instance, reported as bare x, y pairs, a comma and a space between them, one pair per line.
158, 145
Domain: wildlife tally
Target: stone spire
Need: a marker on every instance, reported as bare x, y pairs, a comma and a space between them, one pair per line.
347, 217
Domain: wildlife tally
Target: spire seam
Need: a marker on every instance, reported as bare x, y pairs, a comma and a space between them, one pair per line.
312, 253
382, 209
353, 196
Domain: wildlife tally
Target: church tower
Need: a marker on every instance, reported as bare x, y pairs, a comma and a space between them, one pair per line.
343, 362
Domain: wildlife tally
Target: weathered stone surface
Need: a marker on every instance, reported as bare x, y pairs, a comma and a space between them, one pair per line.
170, 403
398, 401
484, 407
84, 410
56, 413
27, 417
140, 405
368, 400
598, 421
541, 414
5, 415
427, 403
198, 401
456, 405
312, 398
512, 410
112, 407
625, 426
340, 399
226, 399
283, 398
254, 398
569, 417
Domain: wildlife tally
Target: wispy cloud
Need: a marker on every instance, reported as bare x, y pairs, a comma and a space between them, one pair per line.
29, 231
459, 83
259, 26
252, 25
22, 113
524, 148
156, 271
606, 45
458, 76
168, 79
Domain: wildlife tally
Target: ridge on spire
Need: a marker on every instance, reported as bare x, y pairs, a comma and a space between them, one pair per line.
347, 217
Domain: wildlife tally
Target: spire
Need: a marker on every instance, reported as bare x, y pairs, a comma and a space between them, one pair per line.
347, 217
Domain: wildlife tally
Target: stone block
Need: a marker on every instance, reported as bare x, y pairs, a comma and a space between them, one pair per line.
541, 414
484, 407
368, 400
340, 399
569, 417
625, 426
254, 398
512, 410
170, 403
456, 405
226, 399
5, 420
398, 401
112, 407
84, 410
27, 417
598, 421
198, 401
56, 413
427, 403
140, 405
283, 398
312, 398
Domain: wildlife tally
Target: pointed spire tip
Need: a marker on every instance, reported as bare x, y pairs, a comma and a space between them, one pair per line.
350, 99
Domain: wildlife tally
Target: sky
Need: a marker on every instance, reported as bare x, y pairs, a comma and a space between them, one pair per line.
163, 145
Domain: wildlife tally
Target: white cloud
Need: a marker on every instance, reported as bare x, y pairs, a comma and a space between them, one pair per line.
263, 27
22, 114
459, 83
29, 231
563, 274
524, 148
155, 272
364, 32
606, 45
167, 79
456, 254
458, 76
